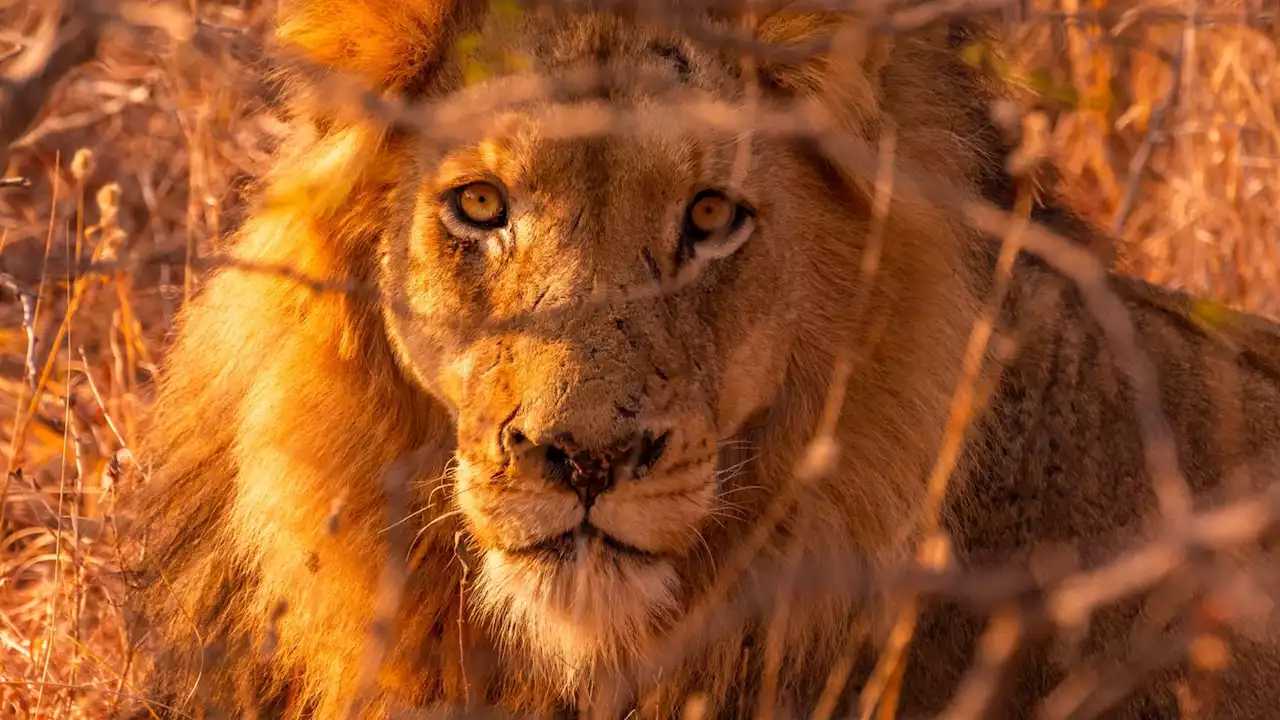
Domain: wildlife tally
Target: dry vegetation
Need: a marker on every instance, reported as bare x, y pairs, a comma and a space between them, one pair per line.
1163, 115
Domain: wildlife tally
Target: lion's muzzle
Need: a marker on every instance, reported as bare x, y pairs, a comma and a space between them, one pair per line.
579, 429
587, 472
536, 493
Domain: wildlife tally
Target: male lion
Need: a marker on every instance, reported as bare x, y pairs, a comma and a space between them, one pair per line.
585, 469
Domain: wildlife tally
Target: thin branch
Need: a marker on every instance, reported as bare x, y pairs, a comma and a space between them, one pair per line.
1138, 164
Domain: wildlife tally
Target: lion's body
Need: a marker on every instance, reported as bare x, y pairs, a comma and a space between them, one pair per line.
281, 409
1058, 461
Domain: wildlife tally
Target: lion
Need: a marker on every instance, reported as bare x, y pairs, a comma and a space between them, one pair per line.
507, 478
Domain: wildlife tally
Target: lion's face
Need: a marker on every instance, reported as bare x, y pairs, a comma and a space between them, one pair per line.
588, 436
610, 457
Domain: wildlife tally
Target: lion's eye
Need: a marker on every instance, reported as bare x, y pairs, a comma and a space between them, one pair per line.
481, 204
712, 214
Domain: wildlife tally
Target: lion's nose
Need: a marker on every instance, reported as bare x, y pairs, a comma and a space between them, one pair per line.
591, 472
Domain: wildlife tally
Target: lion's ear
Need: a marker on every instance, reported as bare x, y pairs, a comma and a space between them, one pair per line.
392, 44
838, 59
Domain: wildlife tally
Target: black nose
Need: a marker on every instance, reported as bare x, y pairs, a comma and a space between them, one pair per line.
591, 472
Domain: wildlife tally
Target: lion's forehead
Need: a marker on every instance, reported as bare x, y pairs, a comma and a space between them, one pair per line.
608, 41
646, 170
623, 174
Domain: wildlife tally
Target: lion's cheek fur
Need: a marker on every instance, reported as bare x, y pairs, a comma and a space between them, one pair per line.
661, 515
751, 378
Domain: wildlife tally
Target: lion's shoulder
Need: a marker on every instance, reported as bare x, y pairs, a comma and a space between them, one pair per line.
1057, 459
1062, 416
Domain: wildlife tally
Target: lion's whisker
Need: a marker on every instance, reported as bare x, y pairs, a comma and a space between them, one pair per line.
734, 469
428, 526
405, 519
743, 488
706, 547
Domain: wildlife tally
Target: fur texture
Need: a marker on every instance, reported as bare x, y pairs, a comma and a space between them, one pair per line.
280, 408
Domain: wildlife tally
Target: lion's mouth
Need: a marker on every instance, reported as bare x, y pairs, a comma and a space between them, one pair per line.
565, 547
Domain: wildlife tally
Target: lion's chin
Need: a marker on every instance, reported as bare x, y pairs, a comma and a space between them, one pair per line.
578, 605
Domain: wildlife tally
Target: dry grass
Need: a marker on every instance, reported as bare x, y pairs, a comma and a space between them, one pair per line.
1166, 128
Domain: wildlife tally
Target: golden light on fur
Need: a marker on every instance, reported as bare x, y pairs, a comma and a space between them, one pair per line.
610, 459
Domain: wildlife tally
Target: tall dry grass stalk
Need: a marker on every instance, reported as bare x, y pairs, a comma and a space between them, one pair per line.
1165, 123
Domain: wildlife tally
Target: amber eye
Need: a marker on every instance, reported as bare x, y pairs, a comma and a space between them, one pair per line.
712, 213
481, 204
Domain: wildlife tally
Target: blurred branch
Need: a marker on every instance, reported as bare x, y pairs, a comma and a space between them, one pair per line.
16, 286
69, 39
